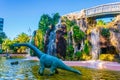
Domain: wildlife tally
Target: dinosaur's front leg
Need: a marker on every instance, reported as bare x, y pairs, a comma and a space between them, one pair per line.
41, 70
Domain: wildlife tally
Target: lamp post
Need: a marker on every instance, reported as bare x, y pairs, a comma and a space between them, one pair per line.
28, 50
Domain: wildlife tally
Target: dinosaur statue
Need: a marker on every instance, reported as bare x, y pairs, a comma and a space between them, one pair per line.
48, 61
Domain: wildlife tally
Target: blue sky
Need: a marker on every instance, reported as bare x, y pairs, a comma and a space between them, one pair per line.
20, 15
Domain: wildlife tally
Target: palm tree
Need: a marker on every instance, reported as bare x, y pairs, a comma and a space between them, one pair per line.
22, 38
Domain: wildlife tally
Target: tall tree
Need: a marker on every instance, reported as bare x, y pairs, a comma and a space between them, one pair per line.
44, 22
55, 18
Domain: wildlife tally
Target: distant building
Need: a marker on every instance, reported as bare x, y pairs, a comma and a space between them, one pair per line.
2, 33
1, 24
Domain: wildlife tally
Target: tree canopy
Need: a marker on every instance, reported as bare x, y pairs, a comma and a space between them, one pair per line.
47, 20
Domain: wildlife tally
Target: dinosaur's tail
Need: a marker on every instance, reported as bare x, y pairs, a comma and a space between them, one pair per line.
65, 67
37, 51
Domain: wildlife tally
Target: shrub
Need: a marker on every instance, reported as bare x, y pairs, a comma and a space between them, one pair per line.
78, 55
87, 47
85, 57
78, 34
107, 57
70, 51
105, 32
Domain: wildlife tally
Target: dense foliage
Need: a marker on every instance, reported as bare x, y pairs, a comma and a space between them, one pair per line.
21, 38
6, 44
78, 34
46, 20
101, 23
105, 32
39, 39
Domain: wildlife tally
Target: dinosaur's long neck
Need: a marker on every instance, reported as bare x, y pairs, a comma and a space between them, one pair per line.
37, 51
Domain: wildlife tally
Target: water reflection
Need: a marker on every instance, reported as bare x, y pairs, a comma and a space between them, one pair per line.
20, 71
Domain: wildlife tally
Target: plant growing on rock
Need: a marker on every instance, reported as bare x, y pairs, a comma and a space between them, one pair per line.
105, 32
78, 34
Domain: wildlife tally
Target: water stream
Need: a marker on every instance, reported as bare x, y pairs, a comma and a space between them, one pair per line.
95, 44
52, 40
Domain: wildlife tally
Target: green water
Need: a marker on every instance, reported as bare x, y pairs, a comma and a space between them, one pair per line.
87, 74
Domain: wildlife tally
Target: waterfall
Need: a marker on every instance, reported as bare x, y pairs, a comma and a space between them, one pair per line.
51, 47
95, 44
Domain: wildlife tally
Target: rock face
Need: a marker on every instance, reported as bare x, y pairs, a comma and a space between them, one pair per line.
61, 42
58, 45
117, 33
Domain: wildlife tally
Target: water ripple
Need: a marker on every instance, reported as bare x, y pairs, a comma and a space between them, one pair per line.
20, 71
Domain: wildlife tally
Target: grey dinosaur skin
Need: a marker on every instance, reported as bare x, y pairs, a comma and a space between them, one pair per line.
48, 61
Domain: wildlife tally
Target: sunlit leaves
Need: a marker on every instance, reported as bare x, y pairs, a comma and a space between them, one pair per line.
6, 44
78, 34
22, 38
101, 23
105, 32
38, 39
47, 20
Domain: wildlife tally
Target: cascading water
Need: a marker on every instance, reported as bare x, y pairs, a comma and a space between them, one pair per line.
95, 44
51, 45
51, 50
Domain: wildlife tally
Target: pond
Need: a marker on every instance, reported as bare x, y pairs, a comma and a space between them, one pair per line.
16, 69
22, 69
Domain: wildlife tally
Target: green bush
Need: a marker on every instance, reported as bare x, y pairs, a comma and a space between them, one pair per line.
87, 47
78, 55
105, 32
85, 57
78, 34
70, 51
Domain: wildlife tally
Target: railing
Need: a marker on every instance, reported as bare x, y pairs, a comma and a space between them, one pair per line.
113, 7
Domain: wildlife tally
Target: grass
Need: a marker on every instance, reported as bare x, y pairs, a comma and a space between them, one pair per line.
87, 74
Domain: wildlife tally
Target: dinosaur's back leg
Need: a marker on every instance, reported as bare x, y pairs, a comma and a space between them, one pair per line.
53, 69
41, 70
